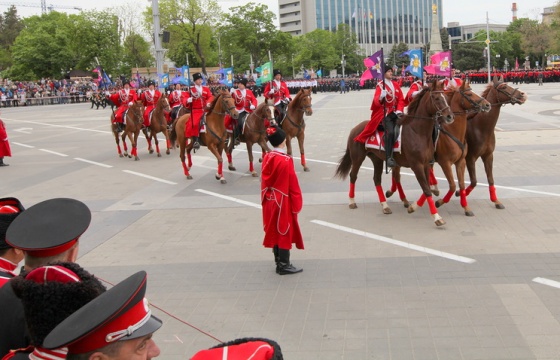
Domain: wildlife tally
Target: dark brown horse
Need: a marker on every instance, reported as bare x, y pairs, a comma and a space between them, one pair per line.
294, 124
133, 124
417, 149
480, 133
158, 124
215, 135
451, 147
254, 132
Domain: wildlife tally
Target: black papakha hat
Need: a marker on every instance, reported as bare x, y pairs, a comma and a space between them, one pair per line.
121, 313
50, 227
10, 208
196, 76
275, 135
243, 81
277, 72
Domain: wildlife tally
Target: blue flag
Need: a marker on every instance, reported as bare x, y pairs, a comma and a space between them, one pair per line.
319, 73
416, 66
228, 77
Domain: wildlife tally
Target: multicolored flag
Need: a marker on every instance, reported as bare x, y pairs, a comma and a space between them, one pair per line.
227, 77
374, 65
440, 64
266, 72
416, 66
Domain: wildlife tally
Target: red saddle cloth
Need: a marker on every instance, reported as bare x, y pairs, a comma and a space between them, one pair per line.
376, 142
242, 349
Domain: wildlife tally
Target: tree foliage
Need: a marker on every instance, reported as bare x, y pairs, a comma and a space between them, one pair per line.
10, 27
394, 56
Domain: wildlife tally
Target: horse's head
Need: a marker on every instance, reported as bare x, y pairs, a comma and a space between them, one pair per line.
226, 103
137, 109
302, 101
163, 104
437, 104
507, 94
264, 111
469, 101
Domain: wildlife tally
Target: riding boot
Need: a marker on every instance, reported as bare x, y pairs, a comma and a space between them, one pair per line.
196, 144
2, 163
284, 267
389, 142
275, 252
120, 127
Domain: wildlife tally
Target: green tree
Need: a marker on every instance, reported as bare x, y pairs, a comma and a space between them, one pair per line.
346, 43
316, 49
136, 53
468, 56
444, 38
10, 27
394, 56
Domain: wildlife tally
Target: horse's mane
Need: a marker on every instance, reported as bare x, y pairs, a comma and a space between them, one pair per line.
413, 106
215, 101
299, 96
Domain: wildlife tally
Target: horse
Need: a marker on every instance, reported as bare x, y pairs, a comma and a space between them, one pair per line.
428, 108
481, 139
293, 123
158, 123
254, 132
133, 124
451, 148
215, 135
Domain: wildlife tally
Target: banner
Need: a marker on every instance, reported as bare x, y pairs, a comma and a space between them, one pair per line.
416, 65
320, 73
266, 73
375, 67
163, 80
440, 64
227, 79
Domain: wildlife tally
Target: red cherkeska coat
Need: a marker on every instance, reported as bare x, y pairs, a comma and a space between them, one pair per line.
4, 144
200, 101
416, 86
243, 102
281, 201
150, 101
121, 99
177, 98
281, 91
394, 101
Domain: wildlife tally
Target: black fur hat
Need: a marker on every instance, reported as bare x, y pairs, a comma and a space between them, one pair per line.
275, 135
196, 76
276, 72
10, 208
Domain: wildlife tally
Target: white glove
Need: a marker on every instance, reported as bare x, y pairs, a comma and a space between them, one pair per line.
208, 105
398, 112
383, 94
416, 93
189, 100
252, 107
130, 103
272, 91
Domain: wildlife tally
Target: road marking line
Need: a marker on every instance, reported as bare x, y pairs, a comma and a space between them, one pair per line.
150, 177
24, 145
547, 282
229, 198
53, 152
396, 242
94, 163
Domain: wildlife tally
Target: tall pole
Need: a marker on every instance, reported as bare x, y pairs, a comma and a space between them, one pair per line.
488, 47
293, 68
157, 40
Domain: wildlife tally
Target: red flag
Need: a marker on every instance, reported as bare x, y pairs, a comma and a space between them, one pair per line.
440, 64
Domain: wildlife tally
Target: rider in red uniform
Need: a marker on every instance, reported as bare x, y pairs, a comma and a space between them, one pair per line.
199, 99
245, 103
414, 90
150, 98
123, 99
176, 99
277, 90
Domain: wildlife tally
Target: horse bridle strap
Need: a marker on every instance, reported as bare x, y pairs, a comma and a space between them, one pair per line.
228, 110
471, 101
512, 100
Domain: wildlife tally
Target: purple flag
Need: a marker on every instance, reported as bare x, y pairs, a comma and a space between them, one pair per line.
440, 64
374, 64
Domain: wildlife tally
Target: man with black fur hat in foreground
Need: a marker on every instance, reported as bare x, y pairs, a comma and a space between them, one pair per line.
387, 105
46, 232
277, 91
281, 201
10, 208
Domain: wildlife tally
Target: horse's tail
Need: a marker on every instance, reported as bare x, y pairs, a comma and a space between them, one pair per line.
344, 165
173, 134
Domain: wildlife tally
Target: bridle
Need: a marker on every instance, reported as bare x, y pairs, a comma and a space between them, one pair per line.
512, 99
223, 99
476, 104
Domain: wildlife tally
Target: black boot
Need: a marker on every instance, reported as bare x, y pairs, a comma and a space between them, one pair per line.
120, 127
389, 125
2, 163
275, 252
284, 267
196, 144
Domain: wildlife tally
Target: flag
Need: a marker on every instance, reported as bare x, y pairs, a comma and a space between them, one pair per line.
105, 80
370, 15
440, 64
319, 73
266, 73
402, 70
306, 75
415, 67
164, 80
354, 14
375, 67
516, 64
228, 77
137, 78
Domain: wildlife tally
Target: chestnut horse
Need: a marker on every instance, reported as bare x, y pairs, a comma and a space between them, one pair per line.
215, 136
428, 108
294, 124
481, 138
158, 124
133, 120
254, 132
451, 147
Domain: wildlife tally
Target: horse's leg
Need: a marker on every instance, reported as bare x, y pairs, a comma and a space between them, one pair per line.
300, 138
264, 148
135, 145
377, 174
357, 157
217, 151
250, 154
488, 161
156, 141
397, 186
433, 182
288, 144
167, 141
460, 169
446, 166
471, 168
182, 151
123, 138
148, 140
117, 141
422, 175
189, 143
229, 151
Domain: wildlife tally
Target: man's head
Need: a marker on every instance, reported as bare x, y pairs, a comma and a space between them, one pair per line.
117, 325
151, 85
50, 294
126, 84
177, 86
10, 208
197, 78
242, 83
277, 74
49, 231
388, 72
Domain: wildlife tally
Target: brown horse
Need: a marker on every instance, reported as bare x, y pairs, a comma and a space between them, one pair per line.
451, 147
215, 136
294, 124
158, 124
480, 133
254, 132
133, 124
417, 149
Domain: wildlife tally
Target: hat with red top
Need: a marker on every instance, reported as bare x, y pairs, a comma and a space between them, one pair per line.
50, 227
275, 135
10, 208
122, 313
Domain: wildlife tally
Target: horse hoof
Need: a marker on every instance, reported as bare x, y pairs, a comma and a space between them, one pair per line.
469, 213
457, 193
410, 209
136, 158
231, 168
218, 177
439, 203
440, 222
389, 193
353, 206
306, 169
189, 177
168, 152
500, 206
254, 174
435, 192
121, 155
158, 155
223, 181
387, 211
150, 151
129, 156
406, 204
260, 160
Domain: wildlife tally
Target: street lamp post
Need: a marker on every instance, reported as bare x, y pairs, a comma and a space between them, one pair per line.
343, 63
293, 68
